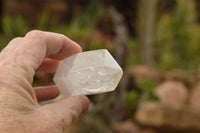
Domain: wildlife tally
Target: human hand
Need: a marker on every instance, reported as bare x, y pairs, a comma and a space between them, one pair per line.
19, 108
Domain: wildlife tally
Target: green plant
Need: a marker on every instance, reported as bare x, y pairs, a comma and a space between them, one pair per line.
133, 46
147, 87
85, 24
14, 26
177, 44
132, 99
81, 29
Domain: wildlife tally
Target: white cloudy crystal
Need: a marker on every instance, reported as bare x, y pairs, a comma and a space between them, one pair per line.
88, 73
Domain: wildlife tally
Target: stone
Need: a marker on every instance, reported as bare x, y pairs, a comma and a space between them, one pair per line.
87, 73
172, 94
126, 127
150, 113
194, 99
175, 74
143, 72
148, 131
158, 115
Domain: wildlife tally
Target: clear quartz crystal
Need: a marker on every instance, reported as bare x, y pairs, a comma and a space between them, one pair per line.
87, 73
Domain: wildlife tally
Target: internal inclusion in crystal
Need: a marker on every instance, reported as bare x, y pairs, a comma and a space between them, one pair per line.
94, 79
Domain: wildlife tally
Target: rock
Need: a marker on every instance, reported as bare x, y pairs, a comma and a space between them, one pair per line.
194, 99
172, 94
158, 115
175, 74
188, 118
188, 78
150, 113
144, 72
126, 127
148, 131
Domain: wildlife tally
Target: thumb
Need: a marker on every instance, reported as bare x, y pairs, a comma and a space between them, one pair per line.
65, 111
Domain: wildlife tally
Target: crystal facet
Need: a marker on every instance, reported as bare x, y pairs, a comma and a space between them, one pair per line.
87, 73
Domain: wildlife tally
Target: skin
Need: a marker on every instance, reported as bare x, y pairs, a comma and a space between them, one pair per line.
19, 108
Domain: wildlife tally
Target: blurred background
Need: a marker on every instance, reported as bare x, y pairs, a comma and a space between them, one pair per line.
156, 42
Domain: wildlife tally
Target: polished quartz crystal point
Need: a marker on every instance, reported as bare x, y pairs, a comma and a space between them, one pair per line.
87, 73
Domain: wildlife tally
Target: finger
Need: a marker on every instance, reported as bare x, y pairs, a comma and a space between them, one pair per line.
12, 45
19, 68
36, 46
48, 66
46, 93
67, 110
58, 46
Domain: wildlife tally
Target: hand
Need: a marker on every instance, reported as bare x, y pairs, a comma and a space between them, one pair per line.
19, 108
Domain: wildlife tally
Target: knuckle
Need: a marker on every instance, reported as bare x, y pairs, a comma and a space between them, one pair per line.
61, 35
73, 115
68, 118
77, 107
16, 39
34, 34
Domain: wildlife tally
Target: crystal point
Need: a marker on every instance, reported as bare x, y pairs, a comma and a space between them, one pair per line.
87, 73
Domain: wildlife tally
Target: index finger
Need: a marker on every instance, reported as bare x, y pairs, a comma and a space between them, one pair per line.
48, 44
36, 46
58, 46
